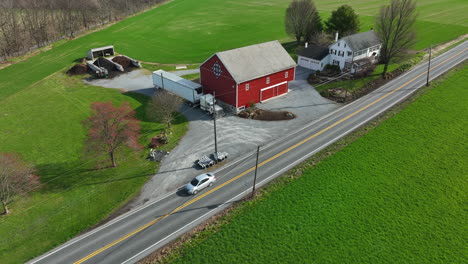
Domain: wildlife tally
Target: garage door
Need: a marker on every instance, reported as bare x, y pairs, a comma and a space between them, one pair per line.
282, 89
304, 62
268, 93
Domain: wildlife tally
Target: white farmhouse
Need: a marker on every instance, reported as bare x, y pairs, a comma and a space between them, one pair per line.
357, 50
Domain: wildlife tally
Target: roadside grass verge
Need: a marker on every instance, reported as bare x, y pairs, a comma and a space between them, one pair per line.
192, 76
395, 195
170, 68
43, 124
187, 31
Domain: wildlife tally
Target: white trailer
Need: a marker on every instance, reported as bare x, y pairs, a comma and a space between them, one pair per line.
186, 89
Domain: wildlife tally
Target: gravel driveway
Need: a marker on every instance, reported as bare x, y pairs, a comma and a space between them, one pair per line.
237, 136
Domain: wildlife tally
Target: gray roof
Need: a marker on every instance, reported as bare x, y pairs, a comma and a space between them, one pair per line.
315, 52
255, 61
362, 40
177, 79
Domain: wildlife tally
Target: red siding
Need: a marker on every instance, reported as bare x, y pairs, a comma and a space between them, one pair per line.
224, 85
255, 86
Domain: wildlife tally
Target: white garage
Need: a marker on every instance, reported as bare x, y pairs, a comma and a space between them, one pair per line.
313, 57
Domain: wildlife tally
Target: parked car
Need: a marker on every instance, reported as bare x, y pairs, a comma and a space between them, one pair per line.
200, 182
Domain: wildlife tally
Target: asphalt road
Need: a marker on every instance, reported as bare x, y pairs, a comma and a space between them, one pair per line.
137, 233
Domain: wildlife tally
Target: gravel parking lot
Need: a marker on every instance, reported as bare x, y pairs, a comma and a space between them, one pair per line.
237, 136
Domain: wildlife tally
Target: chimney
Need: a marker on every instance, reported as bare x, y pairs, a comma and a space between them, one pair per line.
336, 36
306, 45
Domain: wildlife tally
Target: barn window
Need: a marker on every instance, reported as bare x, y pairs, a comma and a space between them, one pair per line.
247, 87
286, 74
267, 80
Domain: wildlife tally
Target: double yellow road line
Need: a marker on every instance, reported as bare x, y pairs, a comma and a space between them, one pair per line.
136, 231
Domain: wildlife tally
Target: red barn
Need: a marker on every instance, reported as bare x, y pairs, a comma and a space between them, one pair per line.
247, 75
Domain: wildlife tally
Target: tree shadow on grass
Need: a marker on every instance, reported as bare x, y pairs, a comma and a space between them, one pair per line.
140, 110
291, 47
60, 176
57, 177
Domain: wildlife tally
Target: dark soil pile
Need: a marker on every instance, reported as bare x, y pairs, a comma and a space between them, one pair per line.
267, 115
101, 62
78, 69
125, 62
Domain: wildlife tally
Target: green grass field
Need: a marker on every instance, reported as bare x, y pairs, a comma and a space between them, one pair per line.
43, 124
41, 109
396, 195
189, 31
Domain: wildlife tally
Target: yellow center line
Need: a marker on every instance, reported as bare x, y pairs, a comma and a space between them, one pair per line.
251, 169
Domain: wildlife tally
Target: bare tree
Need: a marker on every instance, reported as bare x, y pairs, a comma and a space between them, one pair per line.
110, 128
302, 19
395, 26
163, 106
16, 178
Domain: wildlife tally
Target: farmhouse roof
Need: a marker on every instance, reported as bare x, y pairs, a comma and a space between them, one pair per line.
362, 40
251, 62
315, 52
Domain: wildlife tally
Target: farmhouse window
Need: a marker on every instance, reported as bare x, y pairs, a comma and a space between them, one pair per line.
349, 53
338, 44
345, 45
247, 87
267, 80
286, 74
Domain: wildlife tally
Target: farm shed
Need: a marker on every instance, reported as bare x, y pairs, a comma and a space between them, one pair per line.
247, 75
101, 52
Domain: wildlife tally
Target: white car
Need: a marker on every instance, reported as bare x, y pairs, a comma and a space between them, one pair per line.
200, 182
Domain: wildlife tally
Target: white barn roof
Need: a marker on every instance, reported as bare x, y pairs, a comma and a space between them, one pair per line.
177, 79
255, 61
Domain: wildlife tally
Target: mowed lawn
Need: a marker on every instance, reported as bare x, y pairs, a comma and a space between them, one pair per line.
189, 31
396, 195
43, 124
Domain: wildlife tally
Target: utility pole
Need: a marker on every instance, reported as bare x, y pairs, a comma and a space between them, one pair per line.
429, 65
349, 87
255, 177
162, 81
214, 122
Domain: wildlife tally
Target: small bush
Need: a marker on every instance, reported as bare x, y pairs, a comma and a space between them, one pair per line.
334, 68
325, 93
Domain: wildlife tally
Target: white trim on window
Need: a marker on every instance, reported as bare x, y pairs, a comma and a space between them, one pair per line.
247, 86
267, 80
286, 74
